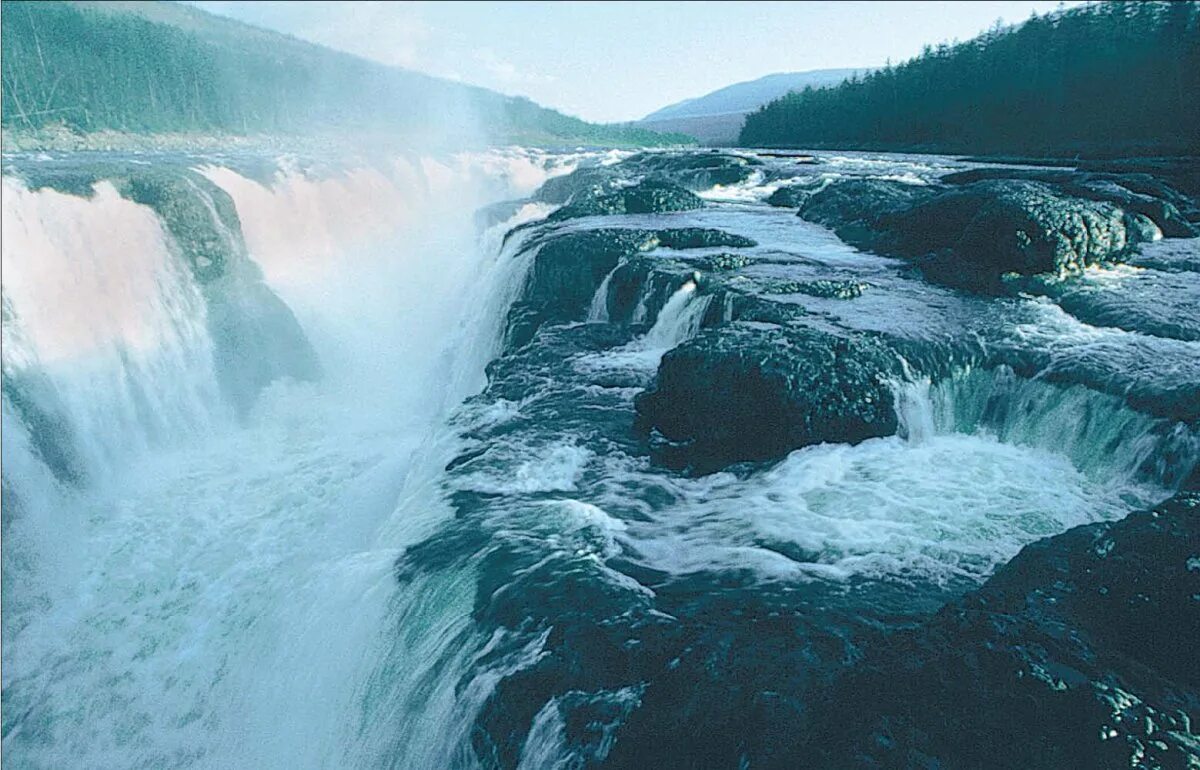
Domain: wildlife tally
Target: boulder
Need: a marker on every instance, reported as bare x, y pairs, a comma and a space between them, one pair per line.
745, 393
973, 236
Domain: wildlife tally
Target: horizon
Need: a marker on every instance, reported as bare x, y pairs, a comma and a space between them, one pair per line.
643, 44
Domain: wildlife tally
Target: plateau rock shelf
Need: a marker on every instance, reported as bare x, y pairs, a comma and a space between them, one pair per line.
665, 459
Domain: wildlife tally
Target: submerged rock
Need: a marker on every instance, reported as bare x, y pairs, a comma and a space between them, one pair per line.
1079, 653
750, 393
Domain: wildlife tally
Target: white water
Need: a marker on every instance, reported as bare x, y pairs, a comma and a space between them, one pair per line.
598, 310
679, 319
223, 600
957, 494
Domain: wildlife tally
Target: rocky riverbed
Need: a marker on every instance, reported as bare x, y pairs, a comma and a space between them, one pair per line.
879, 461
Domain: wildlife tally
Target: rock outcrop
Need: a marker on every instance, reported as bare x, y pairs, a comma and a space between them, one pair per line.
747, 393
1079, 653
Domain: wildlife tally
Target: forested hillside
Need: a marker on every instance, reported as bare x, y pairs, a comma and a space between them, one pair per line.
1113, 78
151, 68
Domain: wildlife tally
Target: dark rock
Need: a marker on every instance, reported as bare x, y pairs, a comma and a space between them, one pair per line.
647, 197
791, 196
695, 171
853, 208
824, 288
566, 272
745, 393
702, 238
1079, 653
973, 236
1137, 193
726, 261
596, 180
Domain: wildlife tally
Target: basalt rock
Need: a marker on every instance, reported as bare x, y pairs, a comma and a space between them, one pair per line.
1079, 653
743, 392
702, 238
566, 272
1137, 193
975, 235
695, 171
651, 196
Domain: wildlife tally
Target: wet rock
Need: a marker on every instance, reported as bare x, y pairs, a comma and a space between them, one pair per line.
702, 238
753, 393
823, 288
1137, 193
695, 171
567, 270
648, 197
726, 261
596, 180
791, 196
1079, 653
971, 237
854, 208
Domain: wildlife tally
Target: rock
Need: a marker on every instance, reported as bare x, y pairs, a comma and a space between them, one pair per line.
647, 197
702, 238
695, 171
1079, 653
853, 208
725, 261
598, 180
791, 196
566, 272
823, 288
971, 237
749, 393
1137, 193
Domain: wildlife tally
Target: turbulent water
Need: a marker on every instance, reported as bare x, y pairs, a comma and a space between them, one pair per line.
348, 572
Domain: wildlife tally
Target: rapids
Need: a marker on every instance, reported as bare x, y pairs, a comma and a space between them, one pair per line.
409, 555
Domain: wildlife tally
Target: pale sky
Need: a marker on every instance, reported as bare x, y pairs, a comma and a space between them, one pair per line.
615, 61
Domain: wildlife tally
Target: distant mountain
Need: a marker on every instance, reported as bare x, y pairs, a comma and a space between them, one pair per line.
1112, 79
154, 68
716, 118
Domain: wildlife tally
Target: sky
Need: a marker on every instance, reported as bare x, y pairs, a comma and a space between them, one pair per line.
618, 61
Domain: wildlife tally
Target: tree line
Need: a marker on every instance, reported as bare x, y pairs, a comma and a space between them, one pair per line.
93, 69
1106, 79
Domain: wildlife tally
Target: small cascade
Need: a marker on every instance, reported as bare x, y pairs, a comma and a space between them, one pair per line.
679, 319
1097, 432
598, 311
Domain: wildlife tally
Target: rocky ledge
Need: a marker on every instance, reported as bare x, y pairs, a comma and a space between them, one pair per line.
1078, 653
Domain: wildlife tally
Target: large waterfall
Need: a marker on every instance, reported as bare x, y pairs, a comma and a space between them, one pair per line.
194, 574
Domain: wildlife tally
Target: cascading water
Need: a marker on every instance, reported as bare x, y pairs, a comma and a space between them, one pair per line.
678, 320
352, 569
218, 601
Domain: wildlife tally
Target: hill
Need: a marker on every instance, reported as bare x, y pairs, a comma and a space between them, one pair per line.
717, 117
1111, 79
160, 68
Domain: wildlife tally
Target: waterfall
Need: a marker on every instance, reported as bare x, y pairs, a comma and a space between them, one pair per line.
1097, 432
202, 585
598, 311
679, 319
